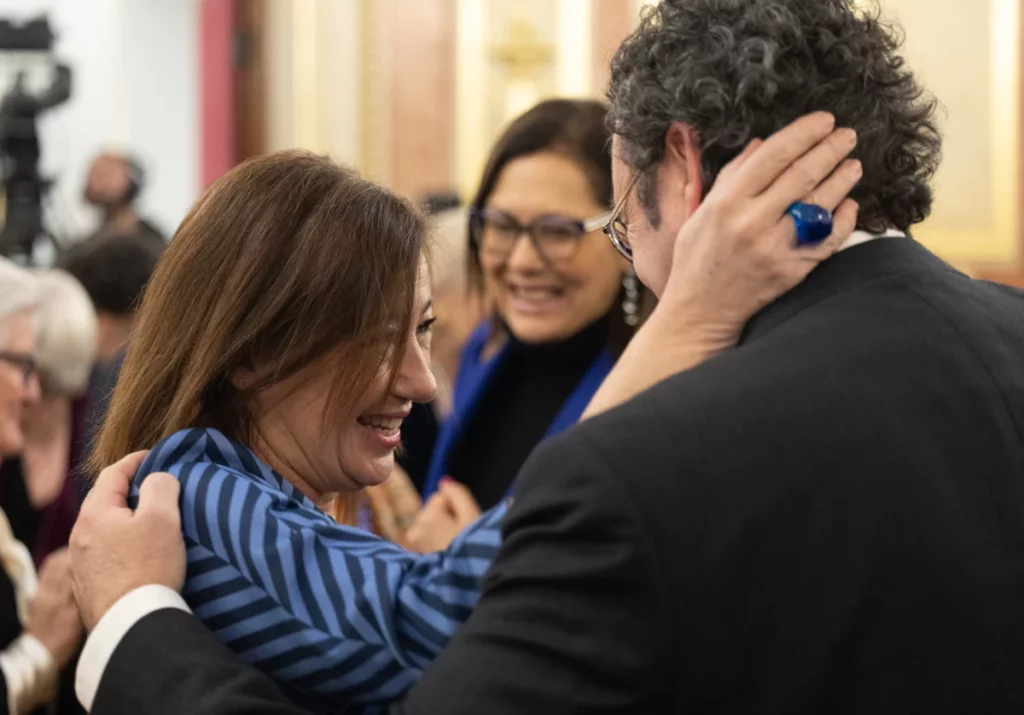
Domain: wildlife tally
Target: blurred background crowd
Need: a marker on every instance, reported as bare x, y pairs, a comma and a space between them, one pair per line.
115, 115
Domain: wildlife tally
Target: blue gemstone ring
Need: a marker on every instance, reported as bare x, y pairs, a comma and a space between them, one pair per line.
813, 223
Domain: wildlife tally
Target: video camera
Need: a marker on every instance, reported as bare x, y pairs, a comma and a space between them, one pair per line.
39, 83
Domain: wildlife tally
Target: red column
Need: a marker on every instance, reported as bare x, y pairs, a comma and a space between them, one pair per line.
217, 82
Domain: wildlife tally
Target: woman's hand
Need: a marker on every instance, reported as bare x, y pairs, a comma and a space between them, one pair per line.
52, 613
446, 514
738, 252
394, 505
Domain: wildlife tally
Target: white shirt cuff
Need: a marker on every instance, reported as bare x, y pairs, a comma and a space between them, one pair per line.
113, 627
27, 667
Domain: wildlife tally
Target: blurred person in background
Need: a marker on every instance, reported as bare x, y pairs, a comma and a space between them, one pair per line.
460, 304
39, 489
395, 504
459, 310
39, 625
114, 271
564, 306
113, 185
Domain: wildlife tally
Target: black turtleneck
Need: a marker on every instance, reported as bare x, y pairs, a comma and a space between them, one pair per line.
518, 407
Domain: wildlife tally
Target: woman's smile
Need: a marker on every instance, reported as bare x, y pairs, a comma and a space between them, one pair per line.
386, 429
535, 299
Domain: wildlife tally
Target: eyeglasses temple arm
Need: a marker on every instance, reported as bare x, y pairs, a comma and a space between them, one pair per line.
597, 222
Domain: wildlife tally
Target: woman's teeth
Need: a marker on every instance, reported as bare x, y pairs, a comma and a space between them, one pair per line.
384, 424
536, 293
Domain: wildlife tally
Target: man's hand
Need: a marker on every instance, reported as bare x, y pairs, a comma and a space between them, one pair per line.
52, 615
446, 514
114, 550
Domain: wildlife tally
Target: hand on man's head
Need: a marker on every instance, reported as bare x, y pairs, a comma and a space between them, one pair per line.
115, 550
738, 252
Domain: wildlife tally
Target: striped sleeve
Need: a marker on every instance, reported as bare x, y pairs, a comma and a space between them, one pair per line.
336, 614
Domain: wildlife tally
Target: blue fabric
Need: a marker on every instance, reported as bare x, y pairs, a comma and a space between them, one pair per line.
341, 618
471, 384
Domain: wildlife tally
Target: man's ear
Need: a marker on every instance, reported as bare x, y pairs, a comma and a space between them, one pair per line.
682, 164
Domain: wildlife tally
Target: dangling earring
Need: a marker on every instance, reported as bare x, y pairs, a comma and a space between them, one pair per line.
630, 309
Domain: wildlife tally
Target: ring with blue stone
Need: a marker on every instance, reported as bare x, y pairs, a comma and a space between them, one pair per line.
813, 223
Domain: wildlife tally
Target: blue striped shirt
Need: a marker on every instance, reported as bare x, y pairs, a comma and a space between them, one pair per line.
344, 620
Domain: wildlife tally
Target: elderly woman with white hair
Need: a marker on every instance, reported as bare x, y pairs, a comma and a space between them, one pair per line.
40, 490
39, 625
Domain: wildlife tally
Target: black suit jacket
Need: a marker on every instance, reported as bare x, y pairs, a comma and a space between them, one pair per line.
827, 519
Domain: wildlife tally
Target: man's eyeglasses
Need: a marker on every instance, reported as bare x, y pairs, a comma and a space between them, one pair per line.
25, 363
556, 238
616, 229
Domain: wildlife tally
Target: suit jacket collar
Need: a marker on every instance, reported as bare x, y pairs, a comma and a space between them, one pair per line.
845, 271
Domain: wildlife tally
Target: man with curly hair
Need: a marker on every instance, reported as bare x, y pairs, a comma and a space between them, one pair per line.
828, 518
699, 79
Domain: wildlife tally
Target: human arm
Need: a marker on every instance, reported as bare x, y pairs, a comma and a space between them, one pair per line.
44, 606
569, 619
127, 568
448, 511
185, 671
28, 674
394, 505
349, 596
307, 599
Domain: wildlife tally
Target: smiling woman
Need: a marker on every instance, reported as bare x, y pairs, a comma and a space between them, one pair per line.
280, 343
18, 384
39, 625
284, 297
565, 302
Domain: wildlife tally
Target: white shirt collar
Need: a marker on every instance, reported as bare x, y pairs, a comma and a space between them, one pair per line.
858, 237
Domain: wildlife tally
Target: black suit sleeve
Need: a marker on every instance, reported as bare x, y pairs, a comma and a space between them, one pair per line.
570, 614
4, 710
170, 663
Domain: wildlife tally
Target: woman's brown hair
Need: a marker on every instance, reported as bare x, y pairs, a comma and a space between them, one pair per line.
286, 260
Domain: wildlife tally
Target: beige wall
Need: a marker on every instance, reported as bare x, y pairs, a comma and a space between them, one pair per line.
415, 91
314, 76
410, 91
968, 55
422, 105
613, 19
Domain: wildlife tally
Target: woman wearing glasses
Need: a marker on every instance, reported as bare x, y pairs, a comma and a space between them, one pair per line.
39, 486
39, 625
565, 303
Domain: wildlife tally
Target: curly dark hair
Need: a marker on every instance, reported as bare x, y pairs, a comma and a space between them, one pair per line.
739, 69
